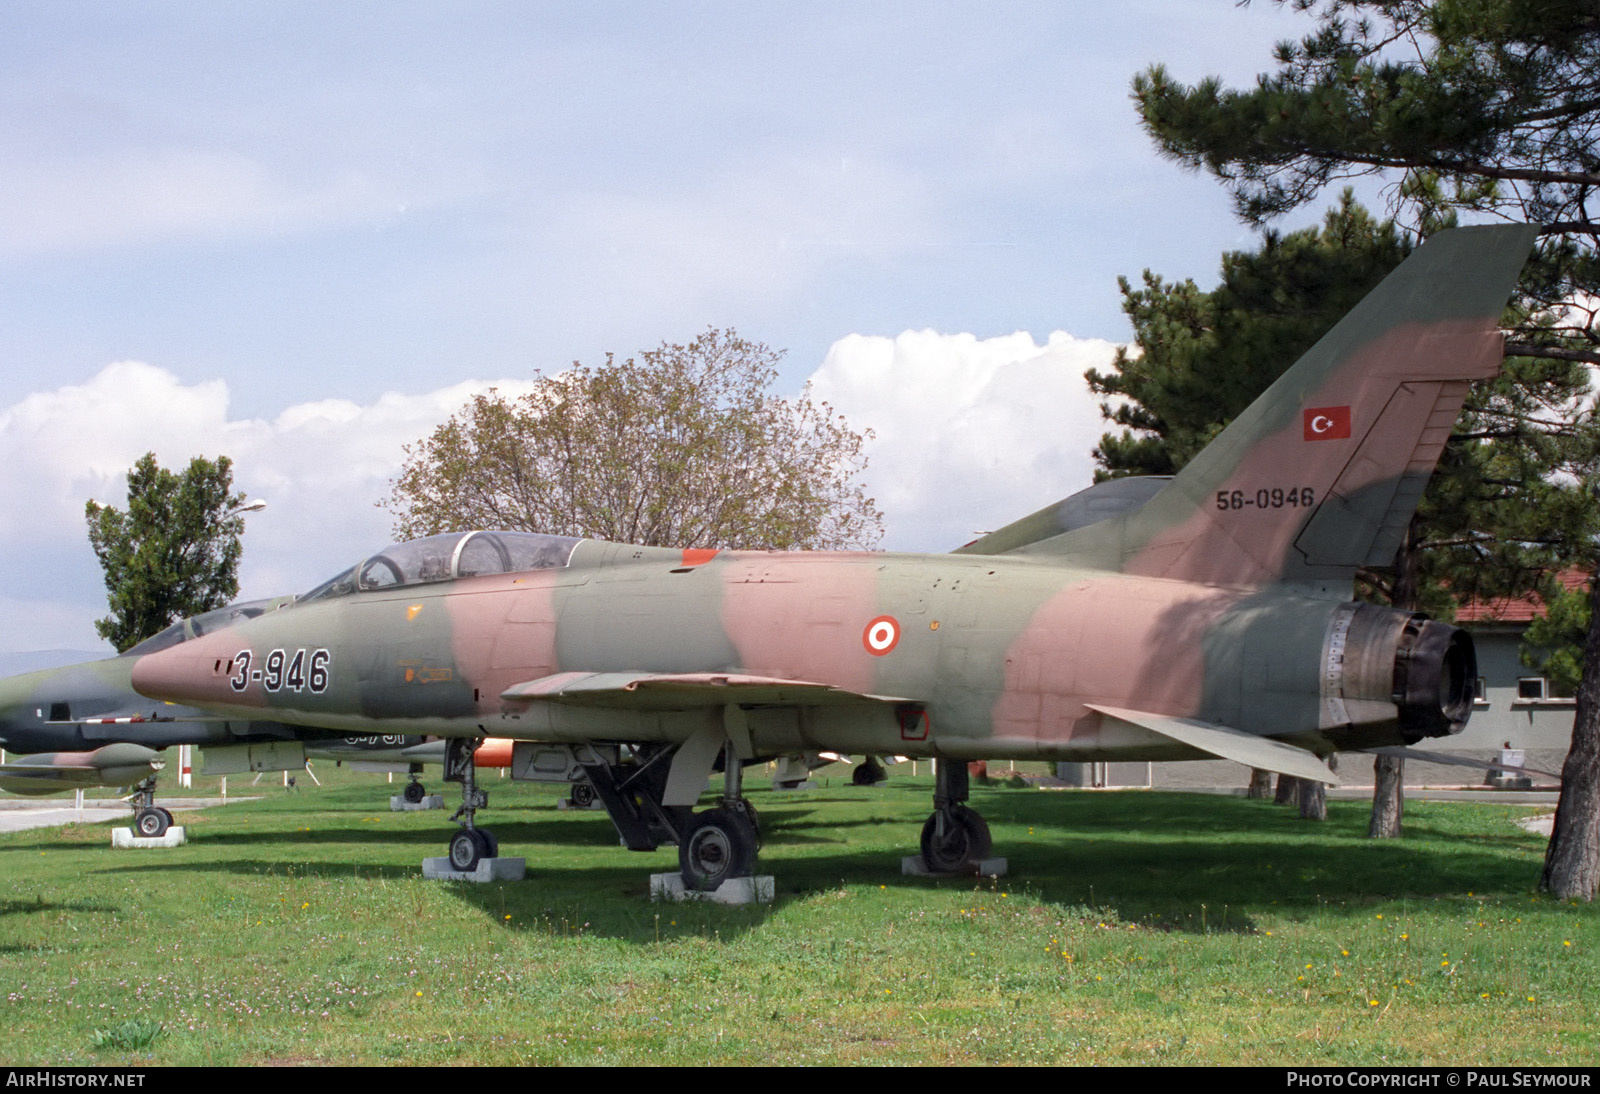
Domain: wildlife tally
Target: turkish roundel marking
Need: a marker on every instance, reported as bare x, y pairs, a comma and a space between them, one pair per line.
1326, 423
881, 635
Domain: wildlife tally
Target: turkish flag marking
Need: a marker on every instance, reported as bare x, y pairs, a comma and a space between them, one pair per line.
1327, 423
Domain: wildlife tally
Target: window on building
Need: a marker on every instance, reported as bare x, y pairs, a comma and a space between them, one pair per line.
1531, 687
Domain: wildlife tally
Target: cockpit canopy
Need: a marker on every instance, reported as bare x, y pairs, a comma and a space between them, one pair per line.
206, 622
449, 556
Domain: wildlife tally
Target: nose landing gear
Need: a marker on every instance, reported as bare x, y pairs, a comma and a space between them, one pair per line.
471, 844
955, 839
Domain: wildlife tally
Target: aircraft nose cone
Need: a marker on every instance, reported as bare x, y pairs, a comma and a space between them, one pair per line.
192, 672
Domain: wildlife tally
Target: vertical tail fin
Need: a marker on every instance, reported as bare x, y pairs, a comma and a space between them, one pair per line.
1320, 475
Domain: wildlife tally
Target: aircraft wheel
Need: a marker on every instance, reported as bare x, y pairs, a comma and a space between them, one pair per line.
165, 813
868, 773
743, 806
466, 848
414, 793
720, 844
491, 843
582, 795
964, 841
151, 823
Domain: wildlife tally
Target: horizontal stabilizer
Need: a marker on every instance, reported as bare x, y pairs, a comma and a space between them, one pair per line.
1460, 761
682, 691
1228, 743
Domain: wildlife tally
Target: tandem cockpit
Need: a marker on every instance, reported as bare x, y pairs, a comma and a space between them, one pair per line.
448, 557
206, 622
415, 562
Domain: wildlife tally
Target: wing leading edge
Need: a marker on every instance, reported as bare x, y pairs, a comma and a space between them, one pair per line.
683, 691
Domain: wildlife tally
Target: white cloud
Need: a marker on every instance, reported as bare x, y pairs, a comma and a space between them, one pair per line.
971, 433
128, 197
322, 467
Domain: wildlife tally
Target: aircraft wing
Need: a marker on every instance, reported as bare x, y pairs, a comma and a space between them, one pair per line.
138, 719
1228, 743
53, 772
683, 690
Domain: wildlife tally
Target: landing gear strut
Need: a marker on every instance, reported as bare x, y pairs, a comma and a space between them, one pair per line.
149, 820
632, 793
955, 839
713, 845
470, 844
721, 843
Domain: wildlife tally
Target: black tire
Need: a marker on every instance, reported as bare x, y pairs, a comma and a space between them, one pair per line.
165, 813
719, 844
151, 823
491, 842
753, 817
466, 848
868, 772
582, 795
964, 842
414, 793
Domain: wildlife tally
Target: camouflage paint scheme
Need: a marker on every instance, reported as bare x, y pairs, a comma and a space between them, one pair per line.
1213, 619
84, 725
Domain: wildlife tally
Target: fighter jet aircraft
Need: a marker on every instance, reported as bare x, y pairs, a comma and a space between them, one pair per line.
83, 725
1212, 618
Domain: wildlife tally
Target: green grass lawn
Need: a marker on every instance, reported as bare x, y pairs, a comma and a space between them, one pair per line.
1134, 927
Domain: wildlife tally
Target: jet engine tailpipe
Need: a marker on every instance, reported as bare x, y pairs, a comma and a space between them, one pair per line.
1421, 671
1435, 672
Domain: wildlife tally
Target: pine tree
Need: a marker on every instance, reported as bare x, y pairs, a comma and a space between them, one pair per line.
1487, 107
173, 553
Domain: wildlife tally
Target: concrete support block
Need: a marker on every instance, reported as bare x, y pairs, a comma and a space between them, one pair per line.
913, 866
398, 804
124, 837
736, 890
489, 869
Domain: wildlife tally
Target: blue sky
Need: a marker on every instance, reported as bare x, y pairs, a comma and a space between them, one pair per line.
301, 234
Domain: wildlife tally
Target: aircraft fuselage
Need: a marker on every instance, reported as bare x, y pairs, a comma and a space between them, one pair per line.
965, 656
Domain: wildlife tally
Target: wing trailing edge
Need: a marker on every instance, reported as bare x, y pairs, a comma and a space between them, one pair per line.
1227, 743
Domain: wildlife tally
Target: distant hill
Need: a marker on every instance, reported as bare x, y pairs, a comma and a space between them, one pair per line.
13, 663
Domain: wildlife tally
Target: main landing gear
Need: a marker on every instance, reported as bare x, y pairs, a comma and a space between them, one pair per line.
471, 844
955, 839
650, 807
150, 821
721, 843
